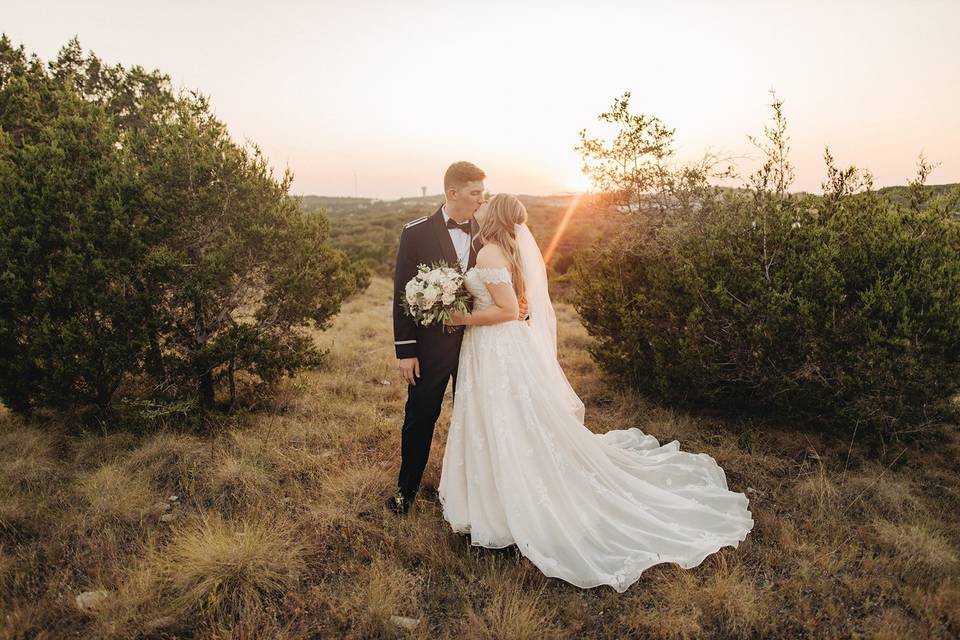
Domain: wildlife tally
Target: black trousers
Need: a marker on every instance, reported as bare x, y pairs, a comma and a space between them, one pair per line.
424, 402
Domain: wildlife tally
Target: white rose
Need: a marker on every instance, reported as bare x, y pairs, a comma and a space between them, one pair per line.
448, 298
449, 287
411, 292
430, 295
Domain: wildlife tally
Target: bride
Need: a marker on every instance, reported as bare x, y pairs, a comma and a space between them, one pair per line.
521, 468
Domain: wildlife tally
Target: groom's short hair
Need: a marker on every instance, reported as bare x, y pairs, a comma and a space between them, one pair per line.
460, 173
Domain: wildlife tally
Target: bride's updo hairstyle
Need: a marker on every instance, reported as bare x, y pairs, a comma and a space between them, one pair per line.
498, 226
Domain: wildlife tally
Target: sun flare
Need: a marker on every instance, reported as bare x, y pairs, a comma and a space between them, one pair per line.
561, 228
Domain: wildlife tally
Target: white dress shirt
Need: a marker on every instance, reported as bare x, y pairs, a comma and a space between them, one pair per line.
461, 241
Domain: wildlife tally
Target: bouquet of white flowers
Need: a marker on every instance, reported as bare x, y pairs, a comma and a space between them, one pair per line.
434, 294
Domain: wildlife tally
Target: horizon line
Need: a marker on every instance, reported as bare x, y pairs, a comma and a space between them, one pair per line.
573, 193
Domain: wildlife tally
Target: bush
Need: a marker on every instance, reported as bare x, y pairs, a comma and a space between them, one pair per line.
237, 264
72, 319
140, 244
840, 308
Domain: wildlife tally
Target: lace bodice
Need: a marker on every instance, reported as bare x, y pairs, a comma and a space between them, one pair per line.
475, 280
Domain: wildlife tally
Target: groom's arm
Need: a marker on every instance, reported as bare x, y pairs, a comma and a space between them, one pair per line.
404, 328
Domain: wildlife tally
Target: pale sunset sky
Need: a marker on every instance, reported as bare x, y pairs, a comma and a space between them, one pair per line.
392, 92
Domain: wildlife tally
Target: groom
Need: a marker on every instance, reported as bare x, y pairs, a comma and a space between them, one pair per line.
428, 356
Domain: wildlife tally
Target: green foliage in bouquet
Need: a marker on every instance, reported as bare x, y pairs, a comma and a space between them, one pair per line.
840, 309
142, 251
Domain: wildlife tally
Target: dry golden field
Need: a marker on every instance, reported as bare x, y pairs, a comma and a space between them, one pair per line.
273, 525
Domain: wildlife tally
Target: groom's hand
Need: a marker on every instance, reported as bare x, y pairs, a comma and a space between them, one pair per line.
409, 369
524, 311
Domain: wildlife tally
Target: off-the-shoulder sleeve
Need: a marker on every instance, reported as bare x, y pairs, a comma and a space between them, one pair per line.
494, 275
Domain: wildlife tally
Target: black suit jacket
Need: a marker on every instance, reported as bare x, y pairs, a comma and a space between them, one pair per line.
425, 241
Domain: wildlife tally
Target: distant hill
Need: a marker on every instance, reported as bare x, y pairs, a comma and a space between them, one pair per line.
901, 194
368, 229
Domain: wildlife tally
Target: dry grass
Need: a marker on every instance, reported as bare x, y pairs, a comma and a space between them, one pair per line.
29, 457
512, 611
278, 528
221, 568
112, 493
724, 602
917, 548
171, 462
383, 589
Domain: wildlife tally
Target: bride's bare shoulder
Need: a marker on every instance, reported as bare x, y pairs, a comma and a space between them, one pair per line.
491, 255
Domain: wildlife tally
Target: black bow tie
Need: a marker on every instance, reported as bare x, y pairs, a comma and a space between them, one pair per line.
463, 226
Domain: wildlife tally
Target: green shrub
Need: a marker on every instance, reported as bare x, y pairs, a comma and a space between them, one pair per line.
139, 244
839, 308
72, 319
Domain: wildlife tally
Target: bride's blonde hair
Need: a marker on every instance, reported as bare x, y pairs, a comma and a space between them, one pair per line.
498, 226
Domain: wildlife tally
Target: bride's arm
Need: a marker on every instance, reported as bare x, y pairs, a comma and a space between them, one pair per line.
505, 306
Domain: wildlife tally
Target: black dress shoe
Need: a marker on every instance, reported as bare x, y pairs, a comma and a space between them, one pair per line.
398, 503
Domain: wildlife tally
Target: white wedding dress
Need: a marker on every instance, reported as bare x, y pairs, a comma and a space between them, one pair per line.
521, 468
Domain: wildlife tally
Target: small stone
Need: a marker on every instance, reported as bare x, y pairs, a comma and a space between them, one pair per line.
90, 600
168, 517
173, 498
405, 623
384, 382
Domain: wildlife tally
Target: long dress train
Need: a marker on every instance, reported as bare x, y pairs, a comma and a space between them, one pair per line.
521, 468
